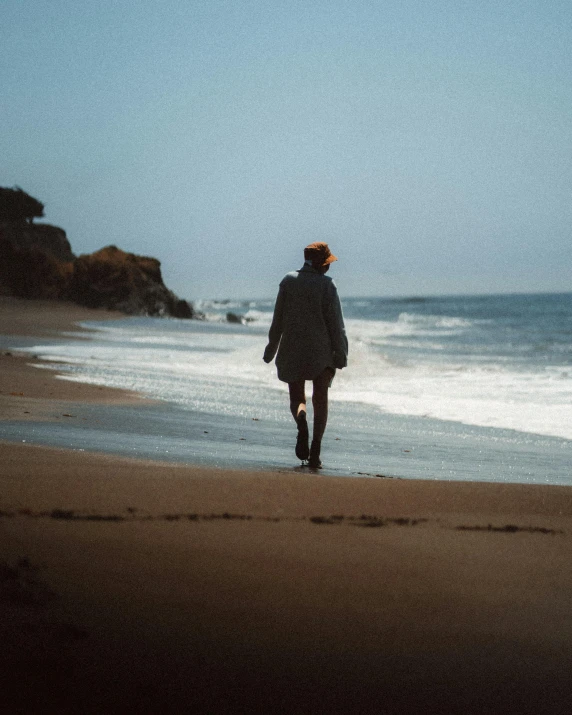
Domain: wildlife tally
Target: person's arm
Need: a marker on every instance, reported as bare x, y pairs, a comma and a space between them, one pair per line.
275, 332
336, 328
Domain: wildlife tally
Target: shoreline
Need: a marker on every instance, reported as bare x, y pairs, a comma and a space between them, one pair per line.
139, 586
360, 441
30, 391
43, 319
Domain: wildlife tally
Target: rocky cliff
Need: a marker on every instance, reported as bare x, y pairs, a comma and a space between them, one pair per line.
111, 278
40, 236
36, 261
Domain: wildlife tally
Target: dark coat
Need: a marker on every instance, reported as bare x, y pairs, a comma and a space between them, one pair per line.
307, 327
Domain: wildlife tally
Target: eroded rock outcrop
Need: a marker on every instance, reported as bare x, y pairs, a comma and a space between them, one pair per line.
41, 236
36, 261
112, 278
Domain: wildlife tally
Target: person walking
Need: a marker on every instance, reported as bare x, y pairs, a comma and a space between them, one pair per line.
308, 338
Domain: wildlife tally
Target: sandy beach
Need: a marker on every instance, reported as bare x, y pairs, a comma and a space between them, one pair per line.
139, 586
27, 393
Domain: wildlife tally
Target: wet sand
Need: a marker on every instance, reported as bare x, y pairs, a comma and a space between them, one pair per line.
28, 392
133, 586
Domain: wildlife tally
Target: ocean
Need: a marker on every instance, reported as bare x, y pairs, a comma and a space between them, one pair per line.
471, 387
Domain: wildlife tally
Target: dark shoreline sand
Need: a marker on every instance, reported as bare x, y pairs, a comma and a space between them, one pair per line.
133, 586
23, 387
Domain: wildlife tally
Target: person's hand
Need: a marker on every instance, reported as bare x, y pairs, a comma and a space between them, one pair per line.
267, 357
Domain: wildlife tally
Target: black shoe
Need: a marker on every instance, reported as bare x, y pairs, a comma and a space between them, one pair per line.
314, 461
302, 448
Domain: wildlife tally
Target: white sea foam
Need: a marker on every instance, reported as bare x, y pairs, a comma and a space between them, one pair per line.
521, 401
490, 394
219, 368
404, 331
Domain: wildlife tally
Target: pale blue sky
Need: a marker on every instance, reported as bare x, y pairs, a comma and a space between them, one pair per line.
430, 143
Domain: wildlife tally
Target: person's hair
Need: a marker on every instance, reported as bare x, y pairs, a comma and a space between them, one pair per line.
316, 257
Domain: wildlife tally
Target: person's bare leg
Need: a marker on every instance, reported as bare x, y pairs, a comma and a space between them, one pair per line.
297, 398
298, 410
320, 404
